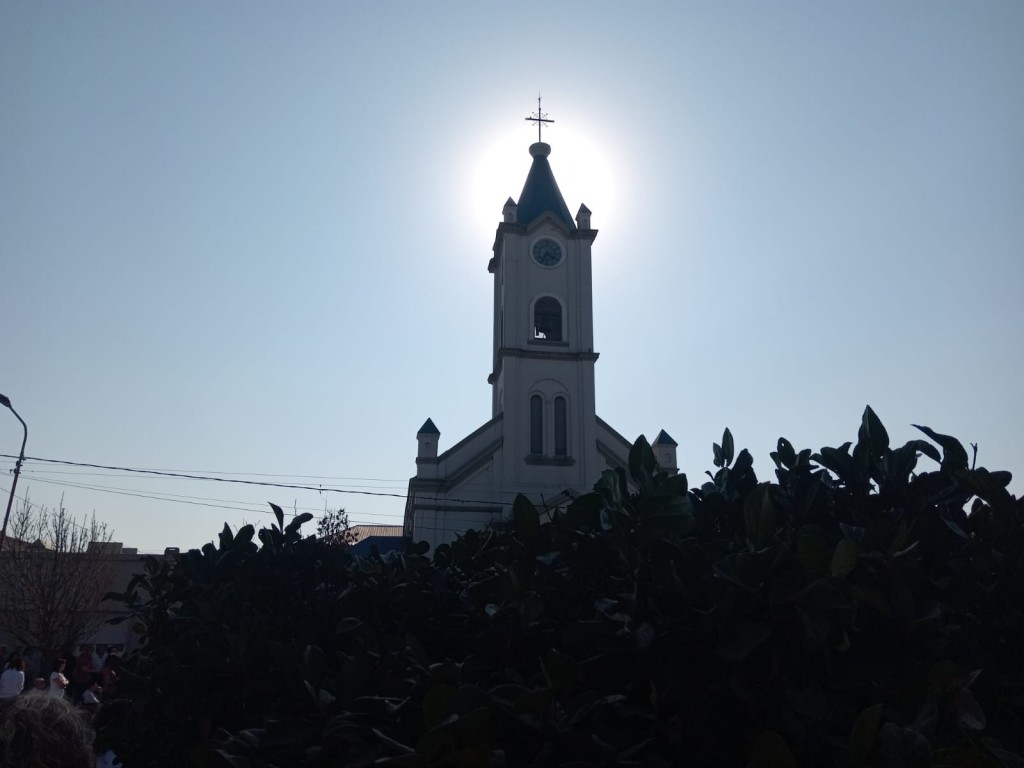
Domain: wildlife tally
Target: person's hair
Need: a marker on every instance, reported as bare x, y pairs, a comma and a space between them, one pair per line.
57, 664
14, 662
40, 730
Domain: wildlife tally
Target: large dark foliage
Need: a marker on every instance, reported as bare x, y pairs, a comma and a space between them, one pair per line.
855, 612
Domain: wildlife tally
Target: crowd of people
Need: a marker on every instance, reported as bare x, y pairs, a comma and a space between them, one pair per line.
58, 717
93, 669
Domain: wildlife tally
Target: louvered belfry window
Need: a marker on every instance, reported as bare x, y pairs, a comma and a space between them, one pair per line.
547, 319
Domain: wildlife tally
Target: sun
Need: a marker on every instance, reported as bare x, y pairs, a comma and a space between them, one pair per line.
581, 169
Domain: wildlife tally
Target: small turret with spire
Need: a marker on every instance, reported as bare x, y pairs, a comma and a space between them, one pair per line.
664, 448
427, 438
509, 211
583, 218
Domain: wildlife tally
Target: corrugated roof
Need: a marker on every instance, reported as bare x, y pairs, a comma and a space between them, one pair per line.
361, 532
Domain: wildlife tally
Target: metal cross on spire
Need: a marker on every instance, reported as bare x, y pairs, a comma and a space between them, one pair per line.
539, 118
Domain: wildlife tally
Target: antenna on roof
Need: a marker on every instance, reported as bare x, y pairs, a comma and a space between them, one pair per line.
539, 118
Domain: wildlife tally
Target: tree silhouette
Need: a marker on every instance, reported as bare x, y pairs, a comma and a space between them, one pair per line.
55, 571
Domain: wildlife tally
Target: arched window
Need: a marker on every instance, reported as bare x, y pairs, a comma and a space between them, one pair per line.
536, 425
561, 429
547, 319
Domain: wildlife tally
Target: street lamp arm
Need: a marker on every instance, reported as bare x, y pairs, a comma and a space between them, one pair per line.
5, 401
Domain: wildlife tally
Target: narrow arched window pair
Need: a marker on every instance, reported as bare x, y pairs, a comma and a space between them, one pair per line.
561, 430
547, 319
536, 425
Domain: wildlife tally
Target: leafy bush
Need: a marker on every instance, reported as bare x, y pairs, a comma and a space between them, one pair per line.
850, 613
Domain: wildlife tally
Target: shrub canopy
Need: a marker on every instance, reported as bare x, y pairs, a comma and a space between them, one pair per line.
855, 611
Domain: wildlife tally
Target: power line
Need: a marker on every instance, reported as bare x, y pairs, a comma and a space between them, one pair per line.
126, 492
257, 483
156, 474
182, 498
253, 507
187, 476
48, 473
244, 474
456, 520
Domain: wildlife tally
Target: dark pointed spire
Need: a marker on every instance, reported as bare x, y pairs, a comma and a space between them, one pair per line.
663, 438
540, 193
428, 428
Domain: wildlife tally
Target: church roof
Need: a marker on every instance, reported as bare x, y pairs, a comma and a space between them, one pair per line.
428, 428
664, 438
540, 193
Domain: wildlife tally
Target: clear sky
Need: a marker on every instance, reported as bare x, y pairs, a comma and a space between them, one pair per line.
250, 239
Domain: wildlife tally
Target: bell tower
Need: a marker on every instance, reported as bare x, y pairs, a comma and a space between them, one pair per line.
543, 438
542, 373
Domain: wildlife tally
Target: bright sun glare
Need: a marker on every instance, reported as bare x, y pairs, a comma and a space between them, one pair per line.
580, 167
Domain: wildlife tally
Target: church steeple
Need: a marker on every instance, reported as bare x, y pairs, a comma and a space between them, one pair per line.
543, 367
544, 438
540, 193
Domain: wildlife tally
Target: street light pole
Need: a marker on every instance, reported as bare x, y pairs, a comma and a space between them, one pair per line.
6, 402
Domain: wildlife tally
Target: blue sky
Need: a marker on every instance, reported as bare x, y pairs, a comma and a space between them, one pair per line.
250, 239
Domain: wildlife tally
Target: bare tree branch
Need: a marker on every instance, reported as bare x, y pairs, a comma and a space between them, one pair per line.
54, 572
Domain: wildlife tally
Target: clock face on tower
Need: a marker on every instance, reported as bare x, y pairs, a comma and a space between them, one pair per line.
547, 253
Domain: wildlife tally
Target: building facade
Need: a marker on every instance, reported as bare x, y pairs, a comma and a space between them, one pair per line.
55, 600
544, 438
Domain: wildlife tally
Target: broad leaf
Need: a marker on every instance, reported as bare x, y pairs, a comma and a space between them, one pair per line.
785, 455
642, 463
525, 519
771, 751
665, 515
954, 456
279, 514
873, 434
812, 553
844, 559
865, 734
727, 447
759, 516
746, 636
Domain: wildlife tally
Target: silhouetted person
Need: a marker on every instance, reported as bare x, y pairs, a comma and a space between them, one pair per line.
12, 681
81, 675
99, 660
58, 683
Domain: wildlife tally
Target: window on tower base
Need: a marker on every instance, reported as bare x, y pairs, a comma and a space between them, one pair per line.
536, 425
561, 433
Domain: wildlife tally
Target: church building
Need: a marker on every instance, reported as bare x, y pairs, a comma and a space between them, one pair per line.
544, 438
